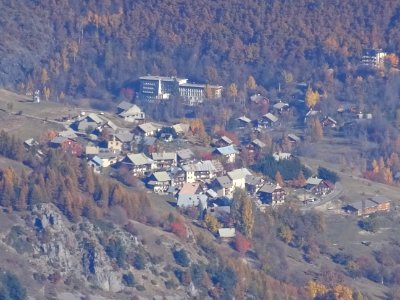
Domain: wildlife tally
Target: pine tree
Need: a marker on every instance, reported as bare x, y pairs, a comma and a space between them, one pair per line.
21, 203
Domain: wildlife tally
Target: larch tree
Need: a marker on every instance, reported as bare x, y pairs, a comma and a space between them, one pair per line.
251, 83
44, 77
312, 98
278, 178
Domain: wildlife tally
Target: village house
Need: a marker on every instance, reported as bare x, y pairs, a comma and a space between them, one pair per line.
293, 138
271, 194
243, 121
185, 156
148, 129
103, 160
181, 128
31, 143
256, 145
192, 200
164, 160
69, 133
114, 145
200, 171
177, 176
223, 186
238, 177
139, 163
159, 182
280, 107
253, 184
91, 149
125, 137
228, 152
130, 112
318, 186
190, 189
282, 156
223, 141
369, 206
226, 233
66, 145
269, 120
329, 122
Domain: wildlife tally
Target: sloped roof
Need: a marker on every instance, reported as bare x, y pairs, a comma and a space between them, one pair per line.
254, 180
189, 189
185, 154
131, 111
181, 128
124, 105
293, 137
268, 188
163, 155
280, 105
314, 181
192, 200
95, 118
224, 181
379, 199
212, 193
58, 140
149, 127
226, 139
124, 137
227, 232
239, 174
271, 117
139, 159
228, 150
161, 176
244, 119
68, 134
258, 143
202, 166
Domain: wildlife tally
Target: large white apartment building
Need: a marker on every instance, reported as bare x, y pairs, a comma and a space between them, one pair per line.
162, 87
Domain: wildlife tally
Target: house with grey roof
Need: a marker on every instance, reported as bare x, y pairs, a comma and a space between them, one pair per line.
200, 171
293, 138
159, 182
243, 121
271, 194
189, 200
253, 184
238, 177
319, 186
185, 156
164, 160
369, 206
223, 186
280, 107
228, 152
138, 163
131, 113
149, 129
269, 119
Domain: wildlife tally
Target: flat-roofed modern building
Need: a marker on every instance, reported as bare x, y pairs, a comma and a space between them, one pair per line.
159, 87
162, 87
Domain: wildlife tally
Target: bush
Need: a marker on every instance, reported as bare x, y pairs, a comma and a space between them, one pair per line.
326, 174
128, 279
181, 257
115, 250
369, 224
139, 262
